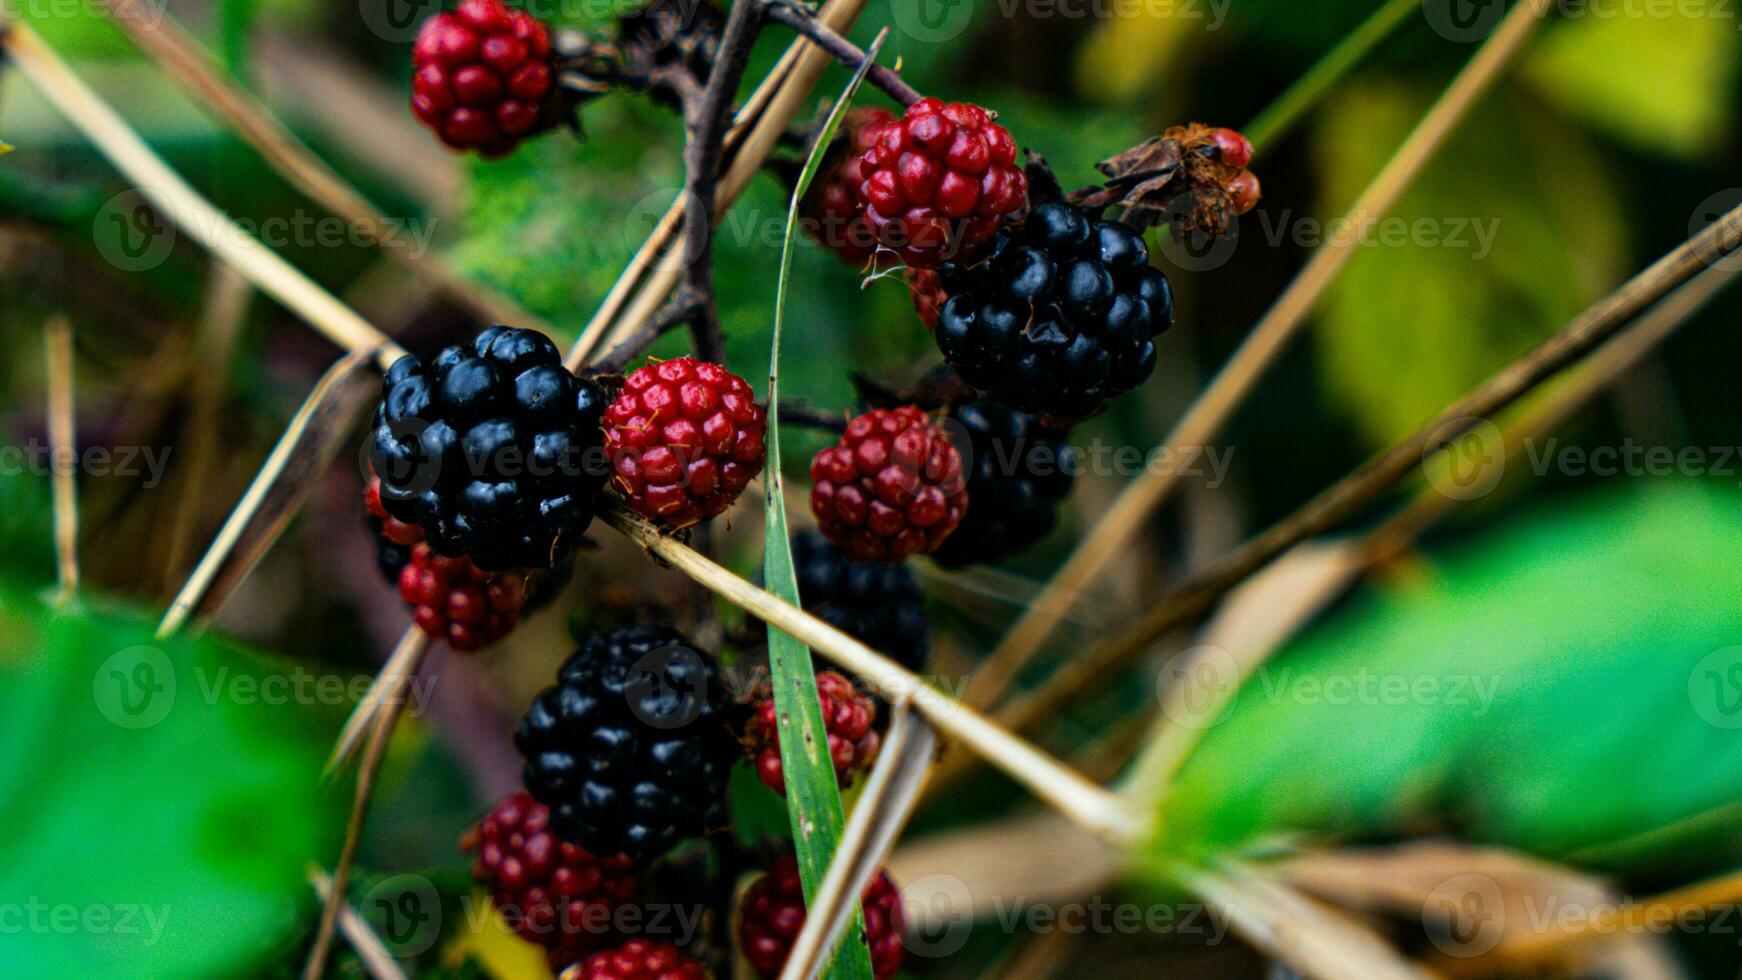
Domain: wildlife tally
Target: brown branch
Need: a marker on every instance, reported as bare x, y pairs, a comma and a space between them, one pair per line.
680, 309
57, 336
799, 18
1237, 379
705, 130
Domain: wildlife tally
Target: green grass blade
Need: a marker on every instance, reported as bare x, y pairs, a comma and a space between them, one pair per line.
813, 801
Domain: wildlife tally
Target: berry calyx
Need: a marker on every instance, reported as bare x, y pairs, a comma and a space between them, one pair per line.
834, 210
937, 184
876, 602
492, 448
1060, 317
630, 749
1019, 473
638, 959
892, 487
482, 77
556, 894
454, 600
847, 717
684, 438
773, 913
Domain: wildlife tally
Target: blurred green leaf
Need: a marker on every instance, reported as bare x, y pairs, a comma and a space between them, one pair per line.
1511, 230
161, 796
24, 531
1665, 83
1569, 685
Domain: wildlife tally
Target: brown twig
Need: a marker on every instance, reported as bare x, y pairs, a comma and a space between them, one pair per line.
705, 130
1206, 417
57, 337
799, 18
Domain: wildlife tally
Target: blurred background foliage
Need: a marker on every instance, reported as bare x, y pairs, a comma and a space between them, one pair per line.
1596, 154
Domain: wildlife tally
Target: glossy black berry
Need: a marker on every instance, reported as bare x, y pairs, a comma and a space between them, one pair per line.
877, 602
1018, 473
493, 448
1059, 317
631, 748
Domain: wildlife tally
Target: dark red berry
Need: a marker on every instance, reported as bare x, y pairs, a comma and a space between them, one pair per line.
835, 211
456, 601
1243, 191
482, 76
937, 184
927, 290
551, 892
638, 959
1231, 148
892, 486
773, 913
684, 438
847, 717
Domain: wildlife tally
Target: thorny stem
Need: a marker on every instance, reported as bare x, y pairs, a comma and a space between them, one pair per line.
705, 130
790, 14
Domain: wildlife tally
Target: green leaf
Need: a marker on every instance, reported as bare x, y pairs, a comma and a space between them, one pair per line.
161, 795
1467, 271
1569, 685
813, 798
1585, 65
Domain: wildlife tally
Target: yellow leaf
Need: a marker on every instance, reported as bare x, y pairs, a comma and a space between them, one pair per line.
494, 946
1661, 81
1130, 52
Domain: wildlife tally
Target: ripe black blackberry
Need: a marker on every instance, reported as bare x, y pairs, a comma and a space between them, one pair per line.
494, 450
877, 602
1019, 472
631, 748
1059, 316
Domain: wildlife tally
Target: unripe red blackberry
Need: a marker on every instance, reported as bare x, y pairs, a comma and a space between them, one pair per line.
834, 208
553, 893
684, 438
892, 487
1243, 191
456, 601
638, 959
937, 184
847, 717
482, 77
774, 912
1231, 148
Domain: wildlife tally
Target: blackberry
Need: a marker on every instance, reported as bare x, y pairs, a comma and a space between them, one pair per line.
684, 438
878, 603
1059, 317
557, 895
848, 717
631, 748
834, 212
1019, 472
493, 449
482, 77
773, 913
891, 487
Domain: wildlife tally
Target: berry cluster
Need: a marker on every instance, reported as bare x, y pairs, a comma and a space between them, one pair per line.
847, 717
630, 749
553, 893
638, 959
833, 209
1059, 317
684, 438
877, 602
482, 77
489, 449
1020, 472
892, 486
773, 913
